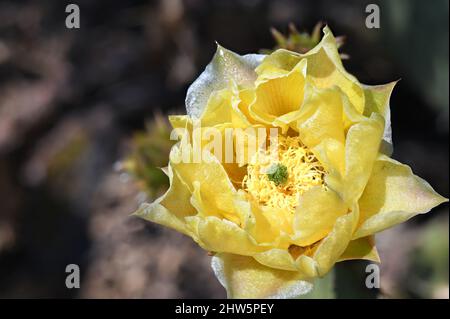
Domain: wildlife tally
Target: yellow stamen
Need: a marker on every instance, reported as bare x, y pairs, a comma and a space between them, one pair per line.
303, 172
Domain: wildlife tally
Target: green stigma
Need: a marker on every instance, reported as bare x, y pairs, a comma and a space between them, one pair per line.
278, 174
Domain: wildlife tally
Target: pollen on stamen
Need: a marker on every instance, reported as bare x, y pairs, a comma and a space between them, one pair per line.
278, 181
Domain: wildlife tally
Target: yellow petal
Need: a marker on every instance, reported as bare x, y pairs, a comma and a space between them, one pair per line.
257, 225
325, 68
180, 121
320, 121
361, 248
157, 213
221, 235
243, 277
377, 98
321, 116
222, 107
206, 207
282, 259
279, 96
278, 218
393, 195
334, 245
361, 149
316, 215
325, 74
182, 127
247, 216
225, 67
171, 208
277, 258
213, 184
277, 64
246, 98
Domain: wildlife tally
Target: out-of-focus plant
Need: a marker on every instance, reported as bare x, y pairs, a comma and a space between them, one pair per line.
149, 152
414, 34
429, 269
300, 42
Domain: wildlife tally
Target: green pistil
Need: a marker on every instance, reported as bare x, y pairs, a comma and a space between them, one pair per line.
278, 174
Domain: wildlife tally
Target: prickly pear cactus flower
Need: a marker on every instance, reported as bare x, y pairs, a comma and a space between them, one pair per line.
317, 187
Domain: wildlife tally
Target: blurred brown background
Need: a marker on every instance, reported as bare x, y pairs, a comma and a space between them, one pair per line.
71, 101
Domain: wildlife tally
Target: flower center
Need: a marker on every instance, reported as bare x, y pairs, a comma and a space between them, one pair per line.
276, 179
278, 174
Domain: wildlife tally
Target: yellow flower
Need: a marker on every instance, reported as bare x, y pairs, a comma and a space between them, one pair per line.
284, 216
